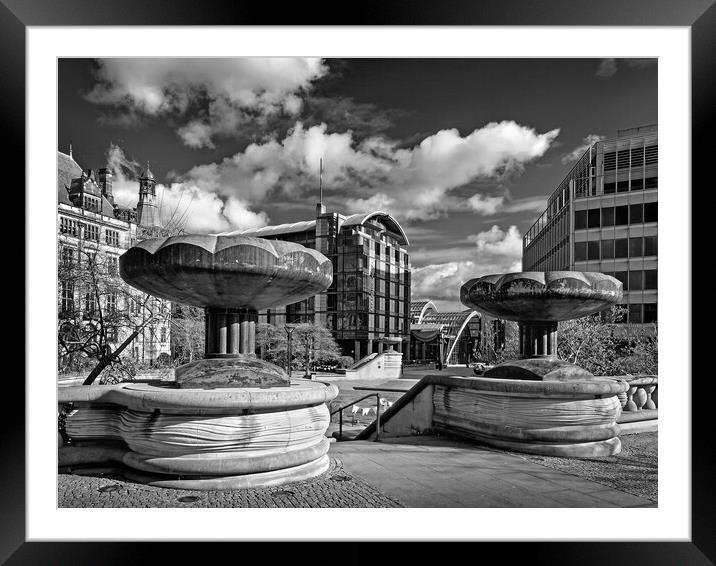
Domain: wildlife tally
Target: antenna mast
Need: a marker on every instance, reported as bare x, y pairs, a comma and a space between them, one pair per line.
320, 182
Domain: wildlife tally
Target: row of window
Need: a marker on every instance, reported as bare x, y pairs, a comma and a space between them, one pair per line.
68, 259
636, 280
606, 216
633, 185
635, 157
87, 231
619, 248
89, 302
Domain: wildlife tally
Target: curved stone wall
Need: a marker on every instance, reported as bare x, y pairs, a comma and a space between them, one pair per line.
242, 434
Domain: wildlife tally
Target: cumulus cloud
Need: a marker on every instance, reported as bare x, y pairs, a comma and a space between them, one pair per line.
608, 67
578, 151
375, 172
213, 96
489, 206
495, 251
182, 205
485, 205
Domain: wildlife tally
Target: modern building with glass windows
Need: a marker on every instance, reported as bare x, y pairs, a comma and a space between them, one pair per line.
369, 297
603, 217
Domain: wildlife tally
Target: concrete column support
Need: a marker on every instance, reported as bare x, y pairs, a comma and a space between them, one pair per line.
230, 332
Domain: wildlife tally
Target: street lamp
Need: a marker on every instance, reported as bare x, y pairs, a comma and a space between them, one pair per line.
289, 328
307, 373
440, 348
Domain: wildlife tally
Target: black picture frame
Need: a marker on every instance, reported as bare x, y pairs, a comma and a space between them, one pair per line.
699, 15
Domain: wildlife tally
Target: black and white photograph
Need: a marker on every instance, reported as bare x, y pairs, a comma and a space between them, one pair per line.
409, 278
342, 282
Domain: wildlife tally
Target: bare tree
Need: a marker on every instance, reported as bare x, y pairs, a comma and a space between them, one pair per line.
108, 308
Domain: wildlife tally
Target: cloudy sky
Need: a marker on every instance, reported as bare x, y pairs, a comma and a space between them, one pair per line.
463, 152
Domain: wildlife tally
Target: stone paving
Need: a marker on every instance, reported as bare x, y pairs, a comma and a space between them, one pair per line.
432, 471
335, 488
401, 472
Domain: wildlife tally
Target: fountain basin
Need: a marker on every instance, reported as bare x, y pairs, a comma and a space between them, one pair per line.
199, 439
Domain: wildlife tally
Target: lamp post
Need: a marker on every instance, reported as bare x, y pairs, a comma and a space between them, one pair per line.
307, 373
440, 348
289, 328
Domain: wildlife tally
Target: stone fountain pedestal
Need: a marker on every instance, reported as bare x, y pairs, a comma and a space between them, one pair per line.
538, 403
230, 420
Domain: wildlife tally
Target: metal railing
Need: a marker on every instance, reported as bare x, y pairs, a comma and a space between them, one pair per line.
377, 414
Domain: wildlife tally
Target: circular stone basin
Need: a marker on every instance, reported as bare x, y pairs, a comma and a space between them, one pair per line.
567, 419
226, 271
535, 296
200, 439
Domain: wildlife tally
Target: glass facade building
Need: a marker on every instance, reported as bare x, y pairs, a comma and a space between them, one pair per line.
603, 217
369, 297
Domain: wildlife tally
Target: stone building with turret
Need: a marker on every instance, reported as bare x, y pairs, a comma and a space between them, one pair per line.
93, 228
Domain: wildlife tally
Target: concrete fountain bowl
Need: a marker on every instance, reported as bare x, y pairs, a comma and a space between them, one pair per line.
539, 403
232, 420
232, 277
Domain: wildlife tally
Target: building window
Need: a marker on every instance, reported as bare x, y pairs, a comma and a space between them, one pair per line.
593, 218
652, 155
68, 226
90, 304
622, 186
607, 249
649, 312
90, 203
623, 159
650, 245
651, 212
610, 188
636, 281
637, 184
580, 219
635, 313
163, 334
608, 216
621, 248
637, 157
580, 251
636, 247
112, 264
636, 213
621, 215
112, 302
91, 232
67, 296
610, 161
68, 256
593, 250
651, 183
623, 277
111, 237
650, 279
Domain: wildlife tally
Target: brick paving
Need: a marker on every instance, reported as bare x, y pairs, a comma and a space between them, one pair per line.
335, 488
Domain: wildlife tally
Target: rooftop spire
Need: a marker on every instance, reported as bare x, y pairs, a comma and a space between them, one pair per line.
71, 149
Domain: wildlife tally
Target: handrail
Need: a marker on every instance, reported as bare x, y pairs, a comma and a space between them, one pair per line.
377, 414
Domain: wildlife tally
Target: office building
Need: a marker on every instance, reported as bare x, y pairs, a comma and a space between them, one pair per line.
603, 217
369, 297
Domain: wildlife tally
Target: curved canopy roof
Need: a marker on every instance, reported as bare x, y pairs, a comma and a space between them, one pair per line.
418, 309
380, 217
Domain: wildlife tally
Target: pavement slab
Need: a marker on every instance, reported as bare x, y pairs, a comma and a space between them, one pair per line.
416, 472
